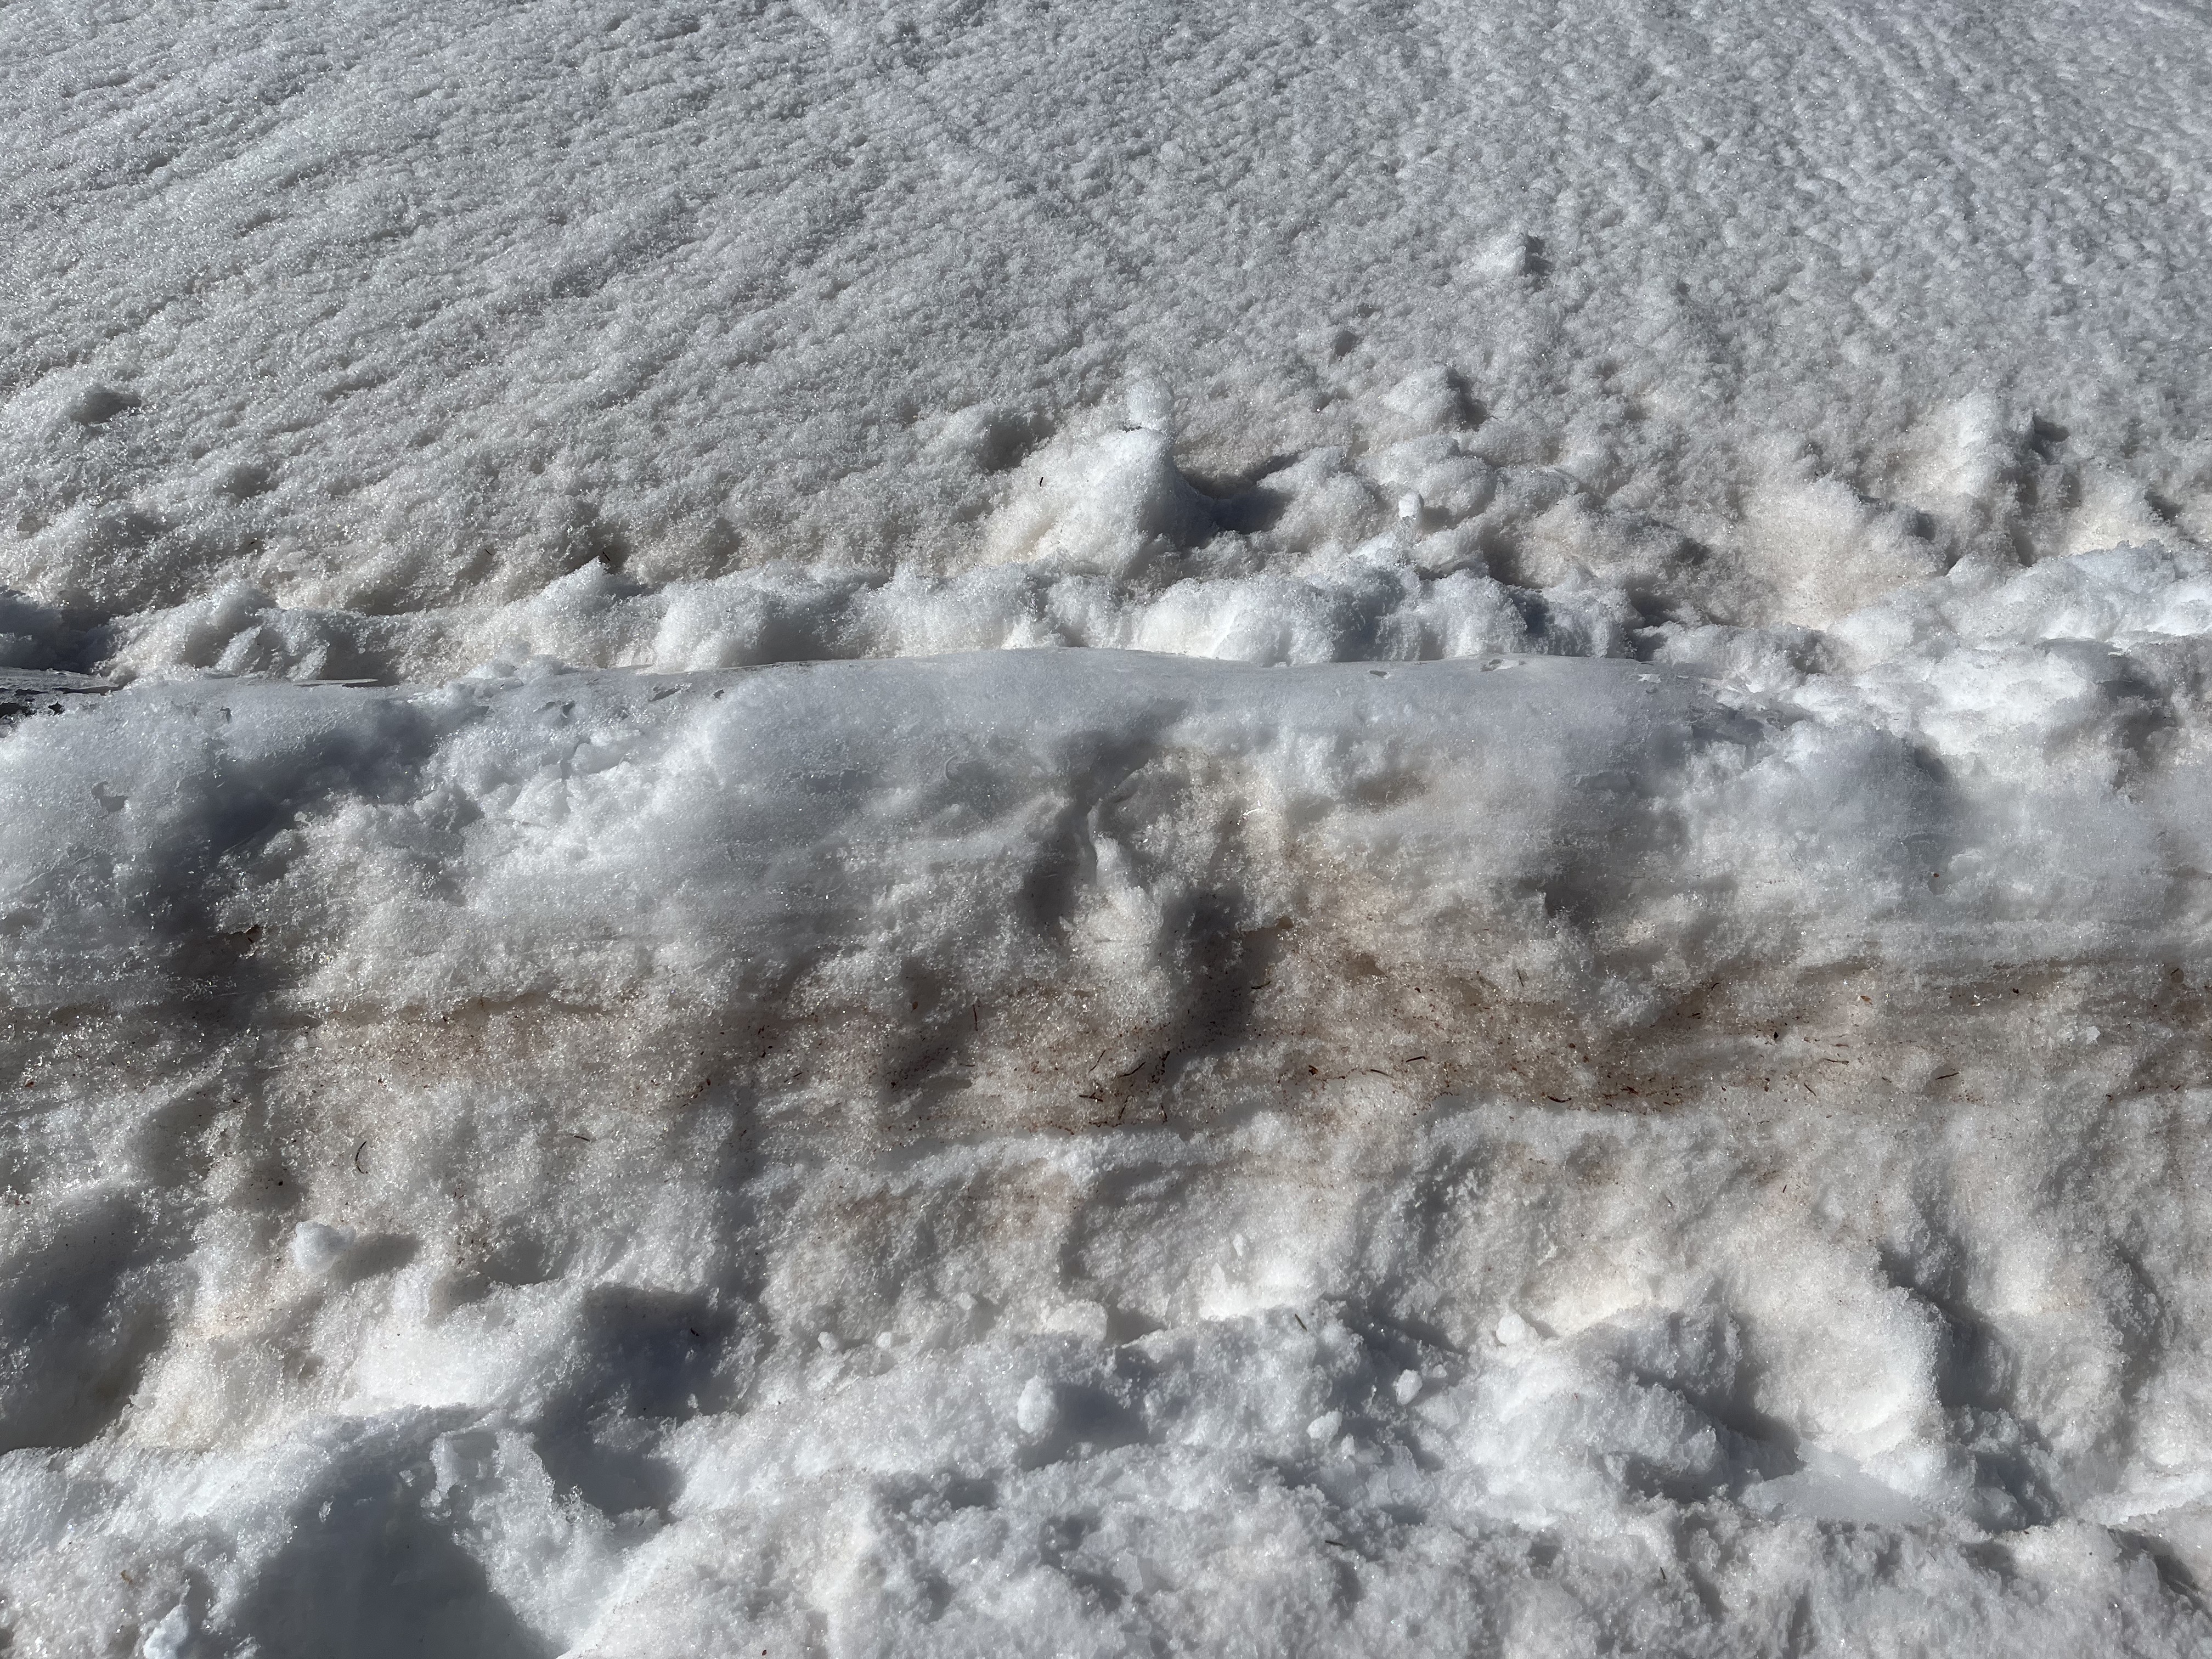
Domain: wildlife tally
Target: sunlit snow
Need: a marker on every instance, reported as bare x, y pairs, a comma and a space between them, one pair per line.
995, 827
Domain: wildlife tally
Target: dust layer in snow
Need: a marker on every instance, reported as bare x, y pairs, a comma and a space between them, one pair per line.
1076, 1150
1643, 1088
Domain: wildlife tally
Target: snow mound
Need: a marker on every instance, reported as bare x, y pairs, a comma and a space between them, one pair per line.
1085, 1146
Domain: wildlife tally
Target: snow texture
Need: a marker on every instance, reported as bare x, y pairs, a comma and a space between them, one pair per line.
970, 828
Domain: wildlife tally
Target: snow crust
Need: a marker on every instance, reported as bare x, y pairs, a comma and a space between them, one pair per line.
959, 828
385, 323
1087, 1148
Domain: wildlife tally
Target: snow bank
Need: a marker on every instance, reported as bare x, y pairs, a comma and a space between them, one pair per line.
1072, 1148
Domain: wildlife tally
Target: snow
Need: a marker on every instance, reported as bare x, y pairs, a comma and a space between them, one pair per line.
960, 828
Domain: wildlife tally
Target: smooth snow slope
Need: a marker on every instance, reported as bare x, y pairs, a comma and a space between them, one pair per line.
1569, 1019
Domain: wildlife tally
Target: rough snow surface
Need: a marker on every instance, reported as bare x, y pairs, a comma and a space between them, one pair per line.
971, 828
395, 318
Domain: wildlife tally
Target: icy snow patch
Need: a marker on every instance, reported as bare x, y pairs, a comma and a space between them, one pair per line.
1083, 1148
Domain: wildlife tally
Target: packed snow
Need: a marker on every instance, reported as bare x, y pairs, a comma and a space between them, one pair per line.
973, 828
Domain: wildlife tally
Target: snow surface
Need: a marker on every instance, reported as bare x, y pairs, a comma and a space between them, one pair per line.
999, 828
